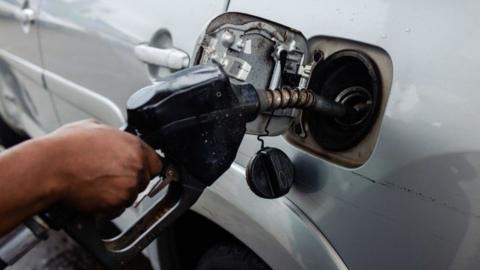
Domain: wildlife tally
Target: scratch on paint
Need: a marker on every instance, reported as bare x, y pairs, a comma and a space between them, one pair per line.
420, 195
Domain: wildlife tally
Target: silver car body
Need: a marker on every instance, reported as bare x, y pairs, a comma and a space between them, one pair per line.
412, 205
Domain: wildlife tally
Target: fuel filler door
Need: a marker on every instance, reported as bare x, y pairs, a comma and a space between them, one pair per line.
273, 56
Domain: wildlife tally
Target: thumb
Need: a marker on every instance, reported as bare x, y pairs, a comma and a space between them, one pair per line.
153, 161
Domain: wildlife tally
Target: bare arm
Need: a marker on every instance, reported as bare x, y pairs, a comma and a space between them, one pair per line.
88, 166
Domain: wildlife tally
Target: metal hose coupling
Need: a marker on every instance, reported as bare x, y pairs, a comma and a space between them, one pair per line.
301, 99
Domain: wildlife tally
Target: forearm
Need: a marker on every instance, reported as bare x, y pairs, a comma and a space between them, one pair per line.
28, 182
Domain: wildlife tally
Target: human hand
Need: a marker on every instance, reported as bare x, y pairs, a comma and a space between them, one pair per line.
100, 169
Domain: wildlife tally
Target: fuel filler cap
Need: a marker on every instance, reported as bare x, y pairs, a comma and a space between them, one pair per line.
270, 173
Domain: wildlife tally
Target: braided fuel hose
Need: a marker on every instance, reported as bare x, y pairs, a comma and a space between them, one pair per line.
302, 99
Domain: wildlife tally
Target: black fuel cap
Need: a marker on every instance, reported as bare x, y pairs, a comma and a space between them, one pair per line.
270, 173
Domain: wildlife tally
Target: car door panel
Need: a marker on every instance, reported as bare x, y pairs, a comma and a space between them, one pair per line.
91, 44
19, 47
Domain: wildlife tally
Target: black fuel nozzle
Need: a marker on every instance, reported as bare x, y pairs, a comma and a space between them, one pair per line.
196, 117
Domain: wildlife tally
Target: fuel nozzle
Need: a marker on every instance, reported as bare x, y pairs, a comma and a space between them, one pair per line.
198, 118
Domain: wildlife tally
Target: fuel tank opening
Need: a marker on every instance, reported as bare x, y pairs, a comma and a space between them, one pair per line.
351, 79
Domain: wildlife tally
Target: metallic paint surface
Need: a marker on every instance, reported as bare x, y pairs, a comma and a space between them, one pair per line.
415, 203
